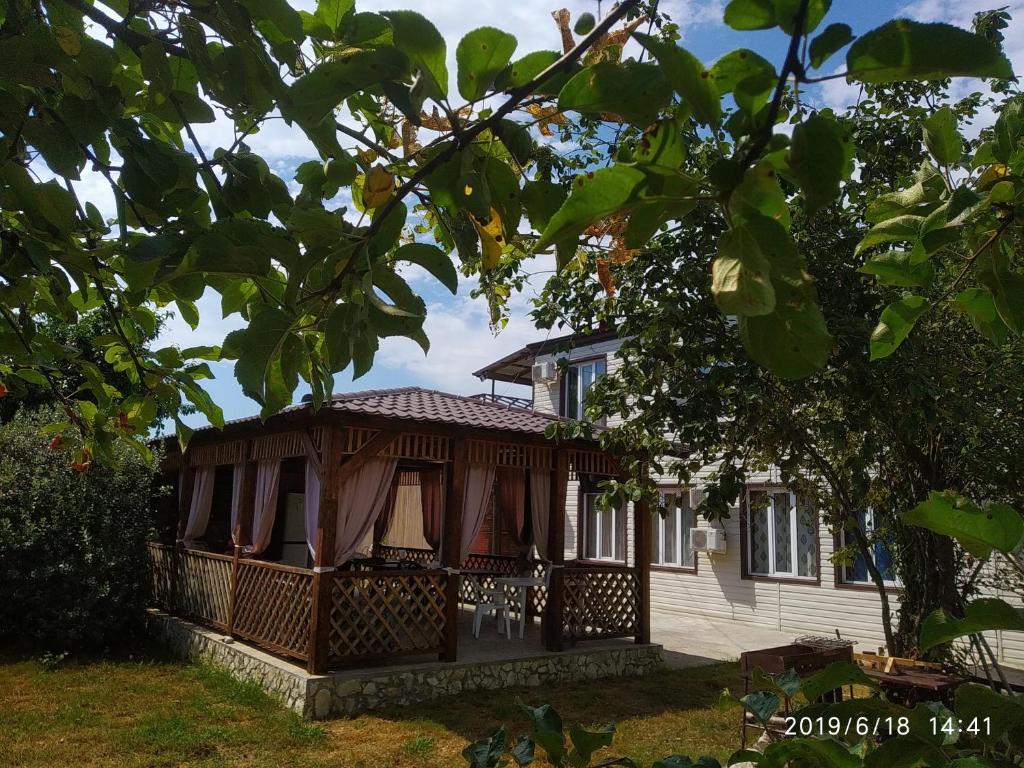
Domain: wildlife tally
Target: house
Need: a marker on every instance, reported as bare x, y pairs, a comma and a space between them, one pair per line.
771, 566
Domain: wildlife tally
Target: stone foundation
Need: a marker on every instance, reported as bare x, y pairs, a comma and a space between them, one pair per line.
354, 691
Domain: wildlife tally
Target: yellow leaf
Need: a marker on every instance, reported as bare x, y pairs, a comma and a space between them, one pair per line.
492, 239
992, 174
604, 276
378, 188
561, 18
546, 116
68, 40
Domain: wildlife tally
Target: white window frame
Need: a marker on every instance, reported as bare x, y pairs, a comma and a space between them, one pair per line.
683, 544
845, 577
578, 406
589, 503
794, 513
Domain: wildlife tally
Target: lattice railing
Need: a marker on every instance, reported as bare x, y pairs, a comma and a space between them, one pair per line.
273, 606
203, 590
599, 602
377, 614
500, 565
421, 556
161, 565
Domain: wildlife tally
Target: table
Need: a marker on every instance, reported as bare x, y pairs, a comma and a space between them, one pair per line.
522, 586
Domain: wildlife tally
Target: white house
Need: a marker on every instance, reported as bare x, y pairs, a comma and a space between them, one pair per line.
772, 567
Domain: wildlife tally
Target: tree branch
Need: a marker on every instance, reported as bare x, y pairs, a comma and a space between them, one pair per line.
122, 31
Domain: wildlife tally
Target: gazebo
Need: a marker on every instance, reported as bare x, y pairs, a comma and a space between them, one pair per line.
335, 475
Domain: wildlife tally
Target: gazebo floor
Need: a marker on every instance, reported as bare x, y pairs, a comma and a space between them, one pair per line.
491, 662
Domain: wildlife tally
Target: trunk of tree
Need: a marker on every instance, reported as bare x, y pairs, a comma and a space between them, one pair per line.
929, 568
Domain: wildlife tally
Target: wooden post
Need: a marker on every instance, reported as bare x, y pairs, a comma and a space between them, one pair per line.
323, 557
451, 548
642, 527
233, 594
187, 483
556, 551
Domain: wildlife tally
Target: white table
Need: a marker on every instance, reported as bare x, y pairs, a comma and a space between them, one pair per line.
522, 586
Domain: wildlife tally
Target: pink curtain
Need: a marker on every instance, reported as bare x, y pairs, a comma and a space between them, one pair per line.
386, 518
360, 500
479, 492
311, 504
432, 500
202, 500
540, 509
511, 496
236, 499
268, 476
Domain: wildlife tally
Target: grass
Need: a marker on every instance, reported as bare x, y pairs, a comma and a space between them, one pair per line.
153, 712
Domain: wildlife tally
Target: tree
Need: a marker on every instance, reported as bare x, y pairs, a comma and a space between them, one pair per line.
319, 285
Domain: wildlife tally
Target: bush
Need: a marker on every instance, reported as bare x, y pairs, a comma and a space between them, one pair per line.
72, 545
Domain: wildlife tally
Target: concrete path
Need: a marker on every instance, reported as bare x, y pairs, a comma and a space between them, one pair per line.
691, 641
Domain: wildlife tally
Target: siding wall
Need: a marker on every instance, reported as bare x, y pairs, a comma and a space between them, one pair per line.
717, 588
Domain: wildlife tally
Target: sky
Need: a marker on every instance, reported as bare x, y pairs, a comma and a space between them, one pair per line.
461, 339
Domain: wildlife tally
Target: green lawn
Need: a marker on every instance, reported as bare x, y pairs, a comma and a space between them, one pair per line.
162, 713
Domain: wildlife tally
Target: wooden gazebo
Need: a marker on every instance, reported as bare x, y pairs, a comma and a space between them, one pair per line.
337, 614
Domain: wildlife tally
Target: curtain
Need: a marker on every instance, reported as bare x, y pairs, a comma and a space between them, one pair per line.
511, 492
479, 492
236, 499
386, 518
311, 503
540, 509
360, 500
432, 500
202, 500
268, 475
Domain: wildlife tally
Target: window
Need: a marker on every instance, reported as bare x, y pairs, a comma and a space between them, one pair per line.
857, 573
782, 535
670, 542
604, 530
579, 378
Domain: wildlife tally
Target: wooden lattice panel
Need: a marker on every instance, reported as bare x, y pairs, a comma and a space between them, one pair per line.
161, 564
285, 444
273, 606
502, 565
386, 613
218, 453
509, 454
583, 462
421, 556
599, 603
408, 445
204, 587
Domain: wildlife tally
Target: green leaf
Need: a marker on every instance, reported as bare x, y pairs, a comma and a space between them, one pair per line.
542, 199
1006, 286
584, 24
594, 196
899, 229
318, 93
688, 77
786, 13
761, 704
481, 55
521, 71
487, 753
942, 138
331, 13
896, 322
982, 615
975, 703
897, 268
184, 433
741, 275
820, 157
980, 308
635, 91
547, 731
759, 195
256, 348
909, 50
425, 47
434, 260
279, 13
585, 743
979, 531
662, 148
750, 14
738, 66
834, 37
821, 753
835, 675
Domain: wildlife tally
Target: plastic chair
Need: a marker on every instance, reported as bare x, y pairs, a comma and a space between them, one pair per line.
488, 601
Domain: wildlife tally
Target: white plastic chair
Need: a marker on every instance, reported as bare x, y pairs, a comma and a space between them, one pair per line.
488, 601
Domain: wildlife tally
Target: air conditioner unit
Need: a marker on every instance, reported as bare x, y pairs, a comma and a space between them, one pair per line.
544, 372
707, 539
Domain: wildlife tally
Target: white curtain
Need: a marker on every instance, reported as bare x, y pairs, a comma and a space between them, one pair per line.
360, 500
311, 505
236, 499
540, 508
202, 500
479, 491
268, 475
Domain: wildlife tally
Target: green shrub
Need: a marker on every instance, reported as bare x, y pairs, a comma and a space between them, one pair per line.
72, 545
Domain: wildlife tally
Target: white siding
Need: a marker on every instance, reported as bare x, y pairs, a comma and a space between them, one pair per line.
717, 588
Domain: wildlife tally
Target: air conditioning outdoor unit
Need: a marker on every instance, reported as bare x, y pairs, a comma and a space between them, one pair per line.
707, 539
544, 372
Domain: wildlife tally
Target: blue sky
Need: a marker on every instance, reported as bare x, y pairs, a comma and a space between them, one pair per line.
461, 340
